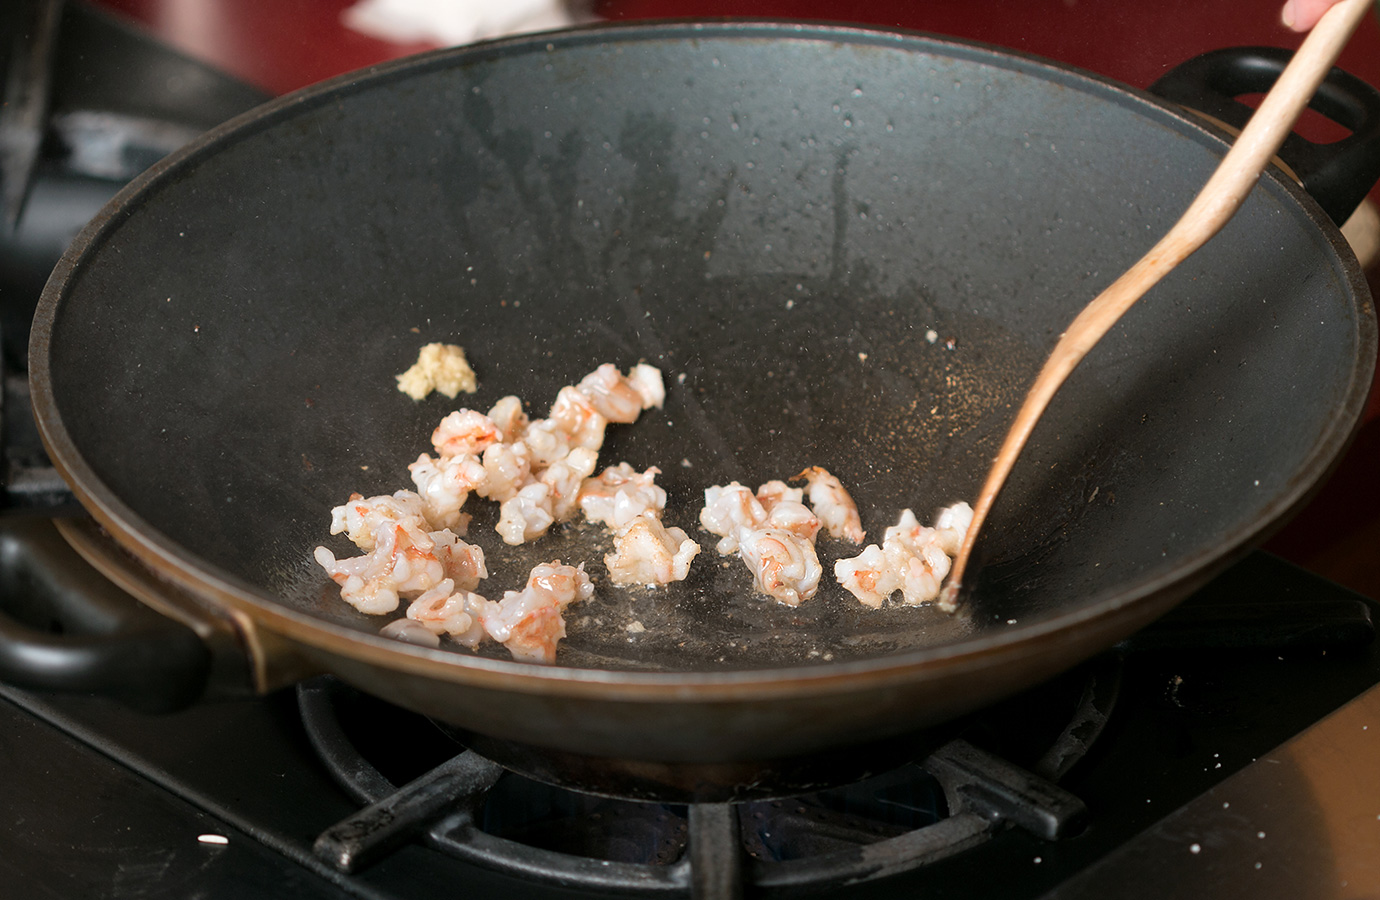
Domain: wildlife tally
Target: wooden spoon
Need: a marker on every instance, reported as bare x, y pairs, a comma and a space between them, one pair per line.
1211, 209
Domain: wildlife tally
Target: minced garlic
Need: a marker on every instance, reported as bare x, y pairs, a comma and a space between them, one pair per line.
439, 367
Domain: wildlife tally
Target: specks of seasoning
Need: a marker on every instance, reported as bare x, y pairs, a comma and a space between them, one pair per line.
931, 335
1195, 848
862, 357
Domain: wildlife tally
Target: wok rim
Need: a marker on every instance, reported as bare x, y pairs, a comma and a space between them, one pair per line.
1101, 612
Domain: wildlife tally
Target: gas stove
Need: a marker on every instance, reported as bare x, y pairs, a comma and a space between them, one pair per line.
1107, 769
1194, 759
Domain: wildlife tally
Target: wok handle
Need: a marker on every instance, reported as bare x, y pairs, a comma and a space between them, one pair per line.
64, 627
1338, 175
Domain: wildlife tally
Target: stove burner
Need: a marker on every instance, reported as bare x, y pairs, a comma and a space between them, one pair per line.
920, 812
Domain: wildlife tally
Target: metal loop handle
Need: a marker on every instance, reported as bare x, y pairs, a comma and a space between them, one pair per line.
63, 627
1339, 174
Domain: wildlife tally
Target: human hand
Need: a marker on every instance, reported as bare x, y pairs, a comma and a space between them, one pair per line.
1301, 15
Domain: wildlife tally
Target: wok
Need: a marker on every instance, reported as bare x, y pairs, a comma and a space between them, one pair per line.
776, 215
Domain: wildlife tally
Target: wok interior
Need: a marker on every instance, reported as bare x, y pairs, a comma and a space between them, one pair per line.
776, 220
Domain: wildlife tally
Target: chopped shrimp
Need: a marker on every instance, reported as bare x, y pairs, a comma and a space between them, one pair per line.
508, 418
446, 610
729, 509
565, 477
564, 584
445, 484
361, 517
952, 523
868, 576
507, 469
774, 492
526, 515
832, 504
530, 626
464, 431
785, 566
646, 380
529, 622
911, 559
620, 495
647, 552
462, 563
611, 394
914, 551
575, 415
401, 564
795, 517
546, 441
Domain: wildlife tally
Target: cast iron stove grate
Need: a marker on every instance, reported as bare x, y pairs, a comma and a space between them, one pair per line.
922, 811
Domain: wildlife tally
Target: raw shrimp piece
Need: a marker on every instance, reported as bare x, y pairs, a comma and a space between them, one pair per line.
565, 478
647, 552
400, 565
508, 418
621, 494
445, 484
795, 517
646, 380
868, 576
530, 627
507, 469
462, 563
915, 553
546, 442
611, 394
832, 504
359, 586
952, 524
923, 573
563, 584
526, 515
529, 622
911, 560
361, 517
446, 610
575, 415
464, 431
410, 632
785, 566
729, 509
774, 492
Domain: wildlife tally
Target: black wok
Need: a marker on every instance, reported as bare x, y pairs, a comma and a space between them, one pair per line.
777, 216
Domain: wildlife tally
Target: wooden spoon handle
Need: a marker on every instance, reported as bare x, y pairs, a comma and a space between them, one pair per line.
1211, 209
